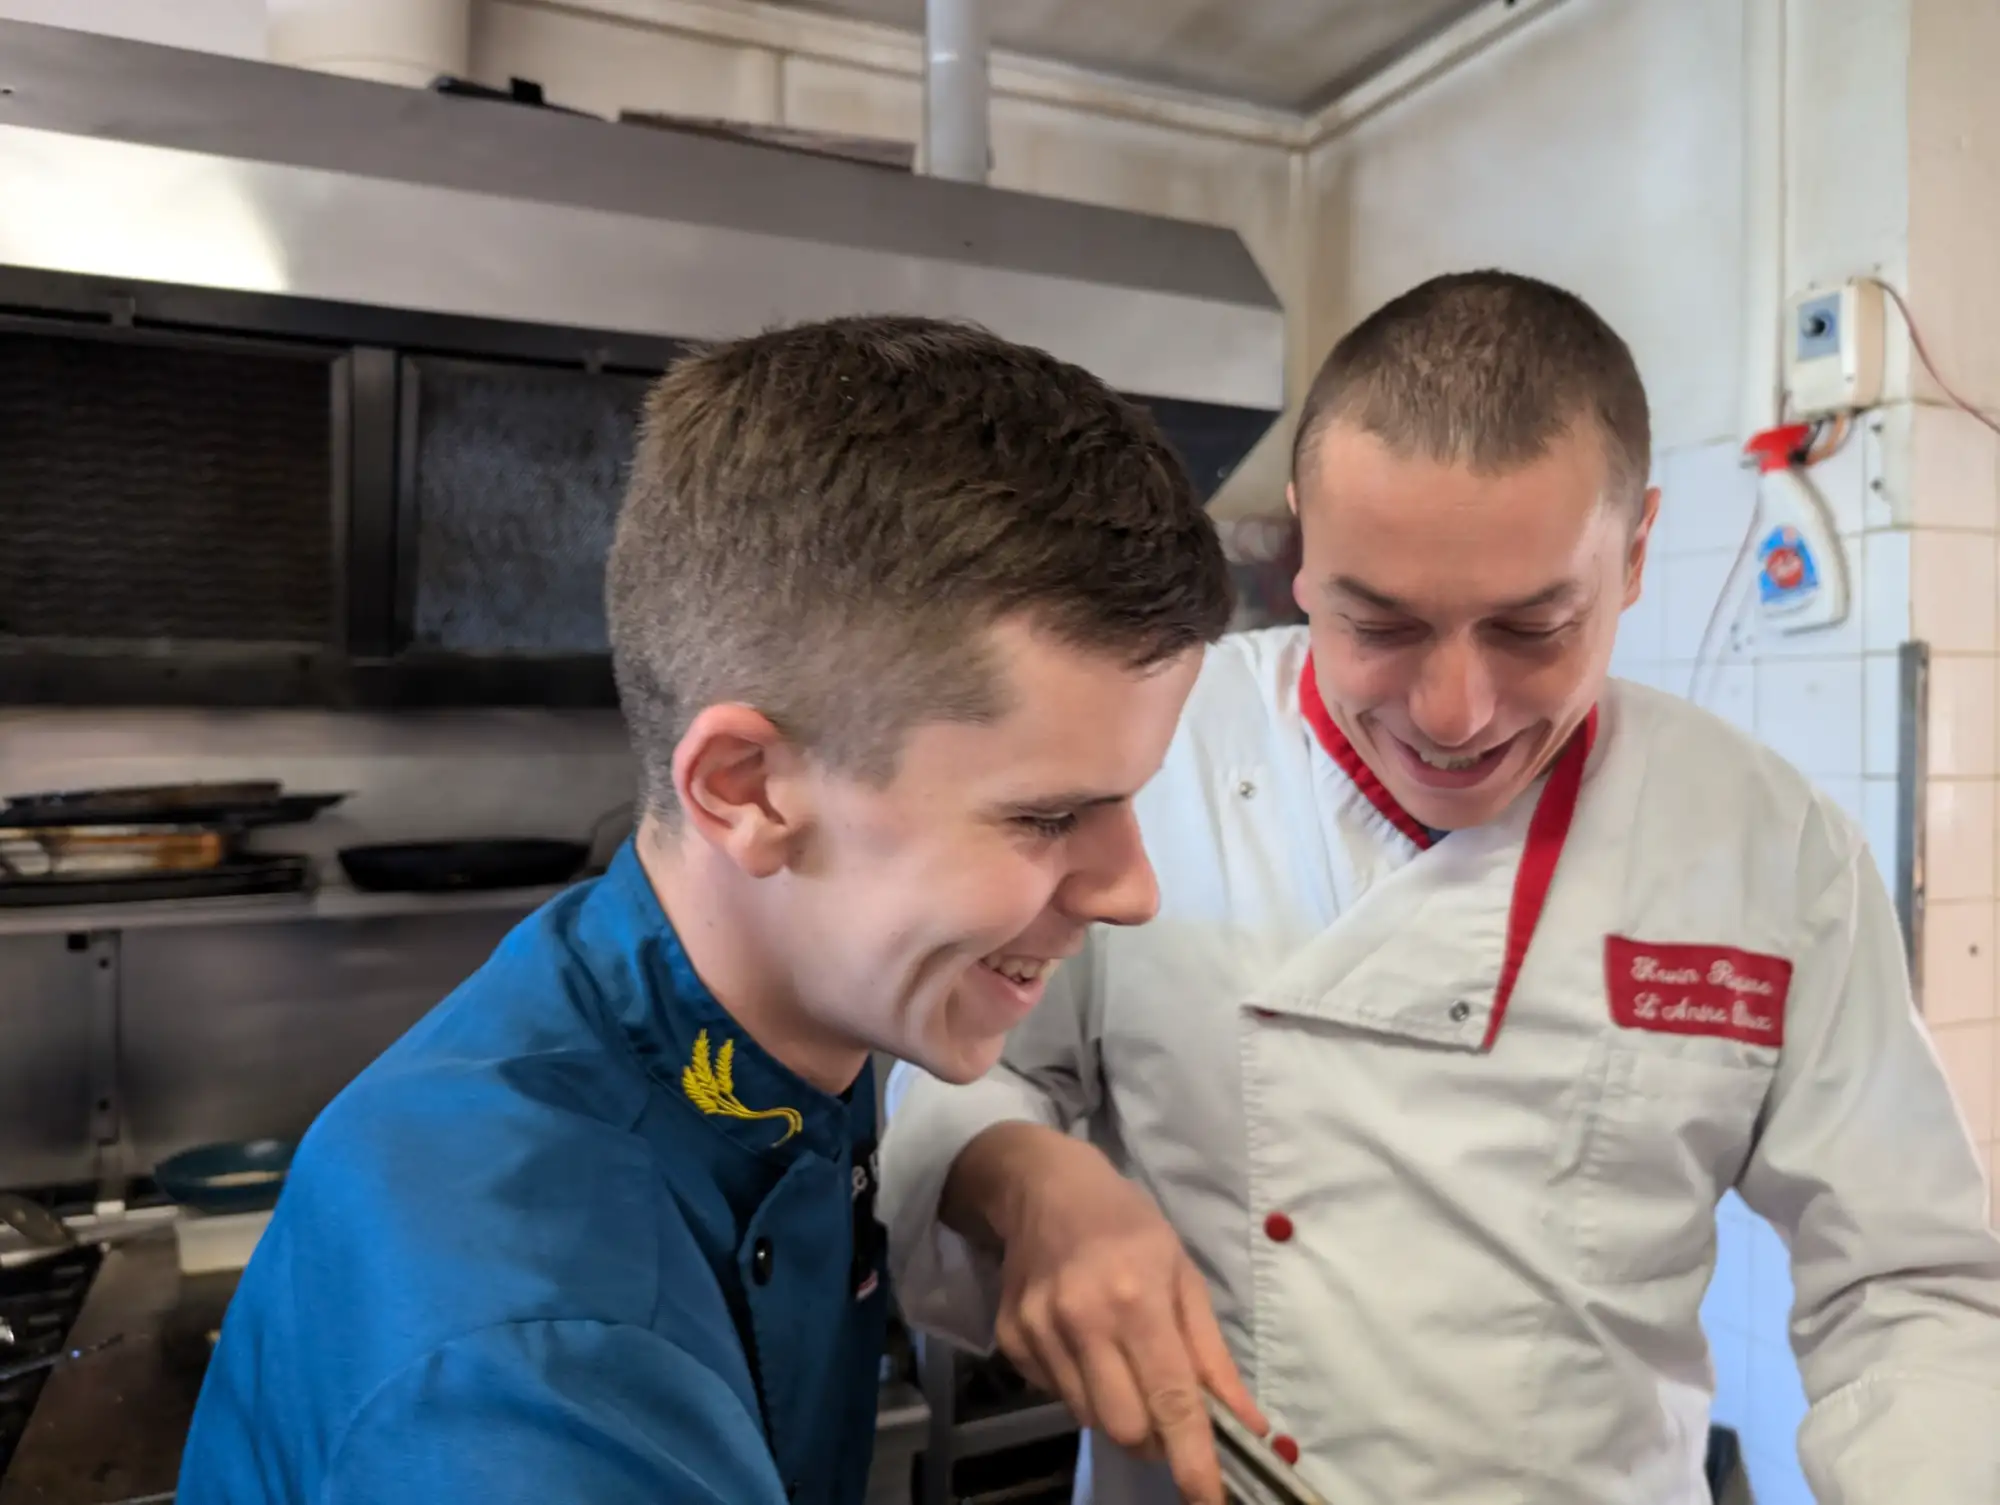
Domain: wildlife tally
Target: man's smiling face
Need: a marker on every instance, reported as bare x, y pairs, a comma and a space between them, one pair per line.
1462, 623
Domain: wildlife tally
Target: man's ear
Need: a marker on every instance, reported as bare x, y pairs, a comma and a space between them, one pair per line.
738, 780
1635, 553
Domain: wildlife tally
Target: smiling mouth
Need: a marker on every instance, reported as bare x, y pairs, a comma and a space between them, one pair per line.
1024, 970
1455, 764
1450, 770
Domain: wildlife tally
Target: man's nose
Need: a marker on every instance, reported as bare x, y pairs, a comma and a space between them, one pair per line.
1113, 882
1453, 699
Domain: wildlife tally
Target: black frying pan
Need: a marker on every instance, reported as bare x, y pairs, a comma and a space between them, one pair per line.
433, 867
240, 805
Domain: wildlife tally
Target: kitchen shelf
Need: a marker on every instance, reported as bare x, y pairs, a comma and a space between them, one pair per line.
1010, 1429
333, 902
954, 1439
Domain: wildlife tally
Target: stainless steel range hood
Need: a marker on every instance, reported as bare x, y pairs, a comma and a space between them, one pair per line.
388, 346
124, 161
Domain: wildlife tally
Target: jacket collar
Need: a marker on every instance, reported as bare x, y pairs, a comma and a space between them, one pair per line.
687, 1042
1333, 742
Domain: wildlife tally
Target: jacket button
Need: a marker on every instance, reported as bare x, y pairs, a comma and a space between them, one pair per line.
1285, 1448
1277, 1228
1460, 1012
760, 1261
1264, 1013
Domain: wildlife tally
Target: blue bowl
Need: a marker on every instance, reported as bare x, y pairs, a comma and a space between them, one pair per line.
224, 1178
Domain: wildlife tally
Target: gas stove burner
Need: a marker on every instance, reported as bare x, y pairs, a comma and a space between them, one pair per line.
39, 1304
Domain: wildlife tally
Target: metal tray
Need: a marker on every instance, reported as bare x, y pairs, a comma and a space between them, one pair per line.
228, 880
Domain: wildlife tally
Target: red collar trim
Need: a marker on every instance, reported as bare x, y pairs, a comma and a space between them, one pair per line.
1548, 828
1548, 833
1334, 740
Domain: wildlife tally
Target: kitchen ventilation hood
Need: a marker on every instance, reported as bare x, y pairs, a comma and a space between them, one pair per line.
318, 391
120, 160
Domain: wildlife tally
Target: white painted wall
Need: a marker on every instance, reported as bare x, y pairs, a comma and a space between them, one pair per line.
1597, 147
235, 27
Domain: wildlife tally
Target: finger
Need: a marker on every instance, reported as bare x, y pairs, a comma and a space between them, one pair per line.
1044, 1360
1019, 1351
1115, 1395
1062, 1378
1166, 1376
1213, 1366
1065, 1379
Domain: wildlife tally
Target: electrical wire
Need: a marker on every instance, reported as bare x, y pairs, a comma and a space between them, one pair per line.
1924, 355
1826, 439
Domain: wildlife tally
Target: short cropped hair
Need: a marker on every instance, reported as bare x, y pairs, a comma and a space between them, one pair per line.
1484, 369
821, 522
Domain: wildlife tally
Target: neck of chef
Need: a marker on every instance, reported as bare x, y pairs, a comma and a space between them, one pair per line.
707, 899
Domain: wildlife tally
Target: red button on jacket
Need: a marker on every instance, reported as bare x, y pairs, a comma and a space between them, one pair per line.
1285, 1448
1278, 1227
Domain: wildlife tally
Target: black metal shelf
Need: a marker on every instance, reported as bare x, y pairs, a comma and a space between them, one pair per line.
954, 1440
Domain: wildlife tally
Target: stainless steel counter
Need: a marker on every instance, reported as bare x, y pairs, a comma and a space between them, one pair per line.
109, 1428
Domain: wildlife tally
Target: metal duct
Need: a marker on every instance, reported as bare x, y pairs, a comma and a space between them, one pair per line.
147, 166
407, 42
956, 98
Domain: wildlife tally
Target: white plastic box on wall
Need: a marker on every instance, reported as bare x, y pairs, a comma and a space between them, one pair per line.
1833, 349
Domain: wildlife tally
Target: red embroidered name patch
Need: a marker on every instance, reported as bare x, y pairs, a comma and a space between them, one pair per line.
1697, 990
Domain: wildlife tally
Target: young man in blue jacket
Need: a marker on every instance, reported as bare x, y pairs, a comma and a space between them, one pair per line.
902, 617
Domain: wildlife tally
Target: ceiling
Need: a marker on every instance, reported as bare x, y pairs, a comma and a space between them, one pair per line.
1285, 54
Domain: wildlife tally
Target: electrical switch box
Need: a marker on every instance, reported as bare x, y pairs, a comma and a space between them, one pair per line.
1833, 350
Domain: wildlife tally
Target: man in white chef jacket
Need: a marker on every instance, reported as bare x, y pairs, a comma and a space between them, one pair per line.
1478, 979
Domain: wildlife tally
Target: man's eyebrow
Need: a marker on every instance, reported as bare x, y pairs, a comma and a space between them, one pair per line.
1074, 800
1559, 593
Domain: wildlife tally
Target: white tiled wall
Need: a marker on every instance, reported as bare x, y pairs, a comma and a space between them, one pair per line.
1952, 501
1826, 700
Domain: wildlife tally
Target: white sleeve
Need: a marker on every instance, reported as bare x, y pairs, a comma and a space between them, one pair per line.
1866, 1168
944, 1283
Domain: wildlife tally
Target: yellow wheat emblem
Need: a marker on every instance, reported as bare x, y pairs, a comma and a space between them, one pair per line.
712, 1088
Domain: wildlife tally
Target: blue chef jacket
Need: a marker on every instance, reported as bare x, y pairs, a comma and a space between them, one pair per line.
575, 1238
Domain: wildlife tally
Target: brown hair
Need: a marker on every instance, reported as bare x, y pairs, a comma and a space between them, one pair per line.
822, 520
1485, 369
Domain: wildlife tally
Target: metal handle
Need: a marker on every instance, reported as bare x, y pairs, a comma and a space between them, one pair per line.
1252, 1474
34, 1222
49, 1361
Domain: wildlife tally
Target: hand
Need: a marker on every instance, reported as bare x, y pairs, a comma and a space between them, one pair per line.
1100, 1303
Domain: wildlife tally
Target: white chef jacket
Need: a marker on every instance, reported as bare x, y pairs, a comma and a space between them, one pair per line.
1458, 1230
